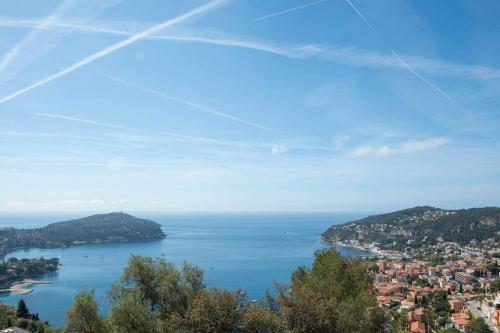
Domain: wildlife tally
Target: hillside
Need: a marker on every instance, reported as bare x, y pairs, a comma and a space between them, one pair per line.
421, 225
101, 228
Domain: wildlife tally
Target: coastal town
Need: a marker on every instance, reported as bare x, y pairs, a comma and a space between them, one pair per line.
17, 275
438, 287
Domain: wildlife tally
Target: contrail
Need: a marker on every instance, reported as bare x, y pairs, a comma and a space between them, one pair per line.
347, 56
362, 16
432, 85
124, 128
197, 106
181, 137
117, 46
33, 35
289, 10
41, 39
401, 61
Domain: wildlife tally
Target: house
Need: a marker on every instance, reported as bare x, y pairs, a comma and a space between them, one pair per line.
7, 308
460, 320
417, 327
14, 330
457, 305
407, 305
495, 314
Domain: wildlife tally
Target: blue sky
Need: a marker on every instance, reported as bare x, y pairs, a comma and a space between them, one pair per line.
292, 105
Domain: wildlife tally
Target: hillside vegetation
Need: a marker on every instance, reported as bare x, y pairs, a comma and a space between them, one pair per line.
422, 225
101, 228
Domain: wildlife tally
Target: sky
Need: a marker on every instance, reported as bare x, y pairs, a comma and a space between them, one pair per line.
246, 105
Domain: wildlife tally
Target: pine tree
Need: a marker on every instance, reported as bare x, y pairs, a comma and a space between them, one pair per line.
22, 309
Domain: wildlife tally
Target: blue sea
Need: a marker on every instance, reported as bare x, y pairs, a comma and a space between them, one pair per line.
248, 251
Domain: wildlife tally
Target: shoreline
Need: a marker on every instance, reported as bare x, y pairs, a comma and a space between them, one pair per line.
21, 288
374, 252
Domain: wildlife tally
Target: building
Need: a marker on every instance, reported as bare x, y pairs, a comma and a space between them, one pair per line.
460, 320
457, 305
7, 308
495, 314
14, 330
417, 327
463, 278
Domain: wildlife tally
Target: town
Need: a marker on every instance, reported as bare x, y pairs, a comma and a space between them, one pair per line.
439, 287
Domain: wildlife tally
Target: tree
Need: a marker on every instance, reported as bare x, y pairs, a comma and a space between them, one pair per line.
214, 311
83, 316
495, 286
22, 323
449, 330
478, 325
440, 301
257, 319
22, 309
129, 315
335, 295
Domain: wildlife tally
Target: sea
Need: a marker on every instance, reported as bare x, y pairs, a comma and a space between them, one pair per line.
249, 251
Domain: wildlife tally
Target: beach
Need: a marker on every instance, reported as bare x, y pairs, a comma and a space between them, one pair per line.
22, 288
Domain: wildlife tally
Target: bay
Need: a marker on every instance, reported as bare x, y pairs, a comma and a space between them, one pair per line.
248, 251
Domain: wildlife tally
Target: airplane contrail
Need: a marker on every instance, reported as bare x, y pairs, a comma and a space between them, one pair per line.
289, 10
125, 128
348, 56
432, 85
41, 39
401, 61
198, 106
362, 16
117, 46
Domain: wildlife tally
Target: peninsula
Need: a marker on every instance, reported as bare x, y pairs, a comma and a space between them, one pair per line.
95, 229
418, 227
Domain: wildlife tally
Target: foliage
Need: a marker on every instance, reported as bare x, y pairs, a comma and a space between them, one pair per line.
14, 270
495, 286
421, 225
333, 296
478, 325
258, 319
113, 227
22, 310
153, 296
83, 317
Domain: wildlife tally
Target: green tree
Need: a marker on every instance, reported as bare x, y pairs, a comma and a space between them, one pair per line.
214, 311
335, 295
22, 323
258, 319
22, 309
129, 314
478, 325
449, 330
495, 286
83, 316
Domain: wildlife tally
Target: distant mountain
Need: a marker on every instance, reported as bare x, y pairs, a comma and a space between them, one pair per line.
421, 225
101, 228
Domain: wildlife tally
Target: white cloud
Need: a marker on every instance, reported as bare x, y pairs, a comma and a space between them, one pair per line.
69, 203
404, 148
340, 140
278, 149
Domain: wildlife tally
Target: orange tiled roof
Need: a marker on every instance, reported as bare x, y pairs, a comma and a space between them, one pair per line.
417, 327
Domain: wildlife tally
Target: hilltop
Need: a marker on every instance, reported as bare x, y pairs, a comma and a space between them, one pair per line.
100, 228
419, 226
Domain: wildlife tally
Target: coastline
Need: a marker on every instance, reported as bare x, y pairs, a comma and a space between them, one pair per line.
374, 251
21, 288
